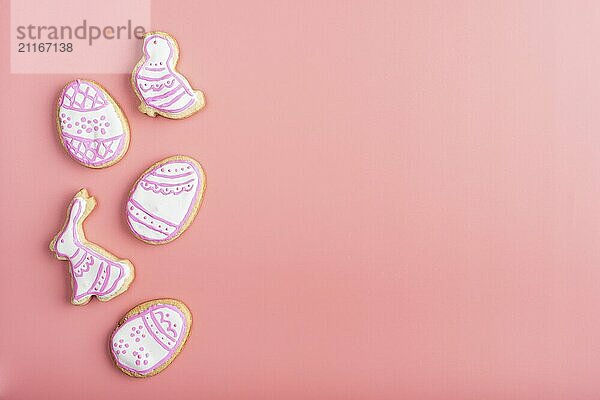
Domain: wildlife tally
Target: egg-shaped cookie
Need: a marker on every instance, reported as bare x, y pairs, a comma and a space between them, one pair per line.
150, 336
91, 126
165, 199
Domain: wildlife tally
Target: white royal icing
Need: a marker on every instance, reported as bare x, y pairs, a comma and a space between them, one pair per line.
149, 339
163, 200
93, 272
90, 126
157, 82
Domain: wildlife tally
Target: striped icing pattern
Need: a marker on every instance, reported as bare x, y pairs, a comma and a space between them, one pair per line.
164, 199
91, 126
149, 339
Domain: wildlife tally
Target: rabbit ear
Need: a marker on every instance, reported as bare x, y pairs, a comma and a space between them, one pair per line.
77, 208
86, 204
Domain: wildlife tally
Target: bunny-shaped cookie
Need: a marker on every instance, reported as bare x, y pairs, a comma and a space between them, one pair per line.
94, 271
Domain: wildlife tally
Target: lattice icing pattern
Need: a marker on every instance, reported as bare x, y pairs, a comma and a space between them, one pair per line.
91, 125
81, 95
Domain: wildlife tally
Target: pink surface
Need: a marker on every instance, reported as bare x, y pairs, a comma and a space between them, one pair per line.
403, 202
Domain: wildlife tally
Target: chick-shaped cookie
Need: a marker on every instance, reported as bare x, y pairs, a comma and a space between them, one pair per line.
161, 89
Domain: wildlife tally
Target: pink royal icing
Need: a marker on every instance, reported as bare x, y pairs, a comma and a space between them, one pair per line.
91, 126
165, 199
146, 341
160, 87
94, 271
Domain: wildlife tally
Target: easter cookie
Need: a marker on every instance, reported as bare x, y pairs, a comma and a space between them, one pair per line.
161, 89
164, 201
91, 126
94, 271
150, 336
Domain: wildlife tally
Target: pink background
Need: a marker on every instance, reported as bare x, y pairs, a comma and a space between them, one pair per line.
403, 202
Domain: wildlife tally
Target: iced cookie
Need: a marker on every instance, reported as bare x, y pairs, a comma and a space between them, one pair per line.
91, 126
150, 336
165, 199
94, 271
161, 89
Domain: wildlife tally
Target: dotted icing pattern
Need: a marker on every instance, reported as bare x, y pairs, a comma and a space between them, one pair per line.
90, 125
121, 348
96, 123
158, 333
162, 87
146, 341
165, 199
94, 271
137, 214
159, 86
173, 178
